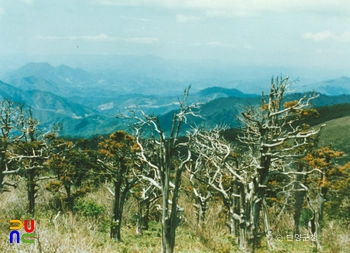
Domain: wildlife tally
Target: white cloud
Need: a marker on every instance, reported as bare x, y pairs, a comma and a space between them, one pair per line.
219, 44
101, 37
141, 19
239, 8
119, 2
28, 2
327, 36
141, 40
186, 18
248, 47
320, 36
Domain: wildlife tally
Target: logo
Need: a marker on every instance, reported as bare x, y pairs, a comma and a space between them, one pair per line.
16, 225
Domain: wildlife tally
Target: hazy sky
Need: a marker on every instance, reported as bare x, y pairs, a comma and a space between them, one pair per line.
271, 32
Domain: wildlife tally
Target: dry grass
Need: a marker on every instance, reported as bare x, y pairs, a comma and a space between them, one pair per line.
73, 233
336, 237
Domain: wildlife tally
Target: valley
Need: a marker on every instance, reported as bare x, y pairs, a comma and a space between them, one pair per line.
86, 102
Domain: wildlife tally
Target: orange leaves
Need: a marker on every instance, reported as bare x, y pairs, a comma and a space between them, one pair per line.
290, 104
118, 152
135, 147
320, 158
338, 205
340, 175
333, 181
53, 186
264, 107
121, 137
305, 112
120, 147
106, 153
309, 112
315, 162
273, 199
345, 169
273, 183
69, 144
328, 152
325, 183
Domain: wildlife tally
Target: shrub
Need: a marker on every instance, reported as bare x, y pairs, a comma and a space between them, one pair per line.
306, 215
88, 208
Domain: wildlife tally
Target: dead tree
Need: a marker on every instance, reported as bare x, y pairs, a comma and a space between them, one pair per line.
23, 148
13, 129
202, 196
27, 157
216, 167
147, 195
165, 163
146, 192
273, 138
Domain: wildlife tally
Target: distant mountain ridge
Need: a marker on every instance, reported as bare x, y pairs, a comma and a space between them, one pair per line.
102, 92
226, 110
48, 108
332, 87
46, 70
66, 81
335, 87
217, 92
61, 80
88, 102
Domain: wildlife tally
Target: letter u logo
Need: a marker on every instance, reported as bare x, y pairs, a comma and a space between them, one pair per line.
31, 229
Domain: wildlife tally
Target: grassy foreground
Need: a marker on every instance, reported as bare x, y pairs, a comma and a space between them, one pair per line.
84, 233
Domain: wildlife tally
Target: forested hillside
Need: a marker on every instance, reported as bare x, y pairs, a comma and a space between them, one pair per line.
86, 103
179, 182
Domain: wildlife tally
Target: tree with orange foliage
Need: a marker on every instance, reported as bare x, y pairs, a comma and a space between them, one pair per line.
319, 184
117, 156
75, 171
337, 205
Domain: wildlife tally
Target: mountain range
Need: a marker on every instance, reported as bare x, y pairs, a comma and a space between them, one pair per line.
86, 103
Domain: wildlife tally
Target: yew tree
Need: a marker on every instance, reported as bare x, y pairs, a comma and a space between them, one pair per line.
147, 195
117, 158
24, 148
323, 186
74, 170
28, 158
164, 162
272, 137
337, 205
13, 119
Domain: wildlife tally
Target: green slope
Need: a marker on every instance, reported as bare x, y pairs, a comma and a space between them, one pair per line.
337, 134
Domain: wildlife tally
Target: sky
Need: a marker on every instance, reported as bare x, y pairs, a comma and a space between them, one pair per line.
262, 32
